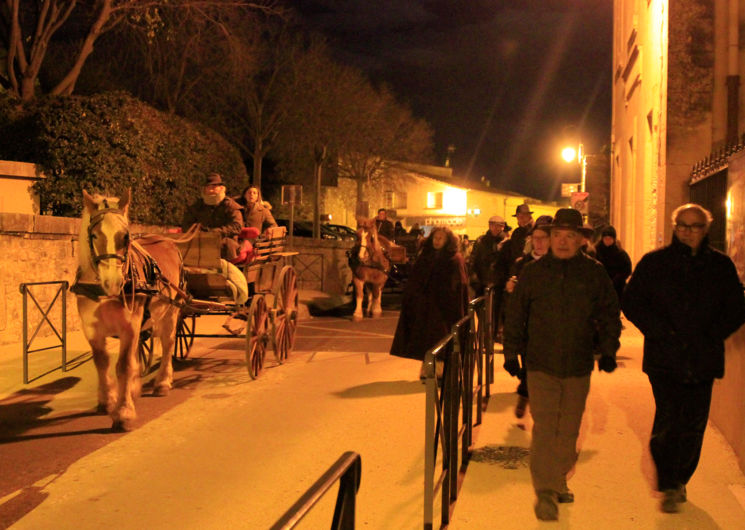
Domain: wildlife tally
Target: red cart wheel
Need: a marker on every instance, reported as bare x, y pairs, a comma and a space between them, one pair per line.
284, 321
256, 335
185, 329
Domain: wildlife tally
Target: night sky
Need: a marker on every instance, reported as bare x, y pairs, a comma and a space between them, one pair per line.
505, 81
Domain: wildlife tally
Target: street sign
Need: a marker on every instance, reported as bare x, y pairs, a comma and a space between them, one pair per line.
292, 194
567, 188
579, 201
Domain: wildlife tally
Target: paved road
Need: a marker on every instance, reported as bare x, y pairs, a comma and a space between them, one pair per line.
48, 427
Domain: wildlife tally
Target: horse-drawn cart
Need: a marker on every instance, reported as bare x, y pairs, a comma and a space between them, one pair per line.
269, 315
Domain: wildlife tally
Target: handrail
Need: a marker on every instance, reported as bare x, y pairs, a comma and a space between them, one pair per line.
348, 471
466, 351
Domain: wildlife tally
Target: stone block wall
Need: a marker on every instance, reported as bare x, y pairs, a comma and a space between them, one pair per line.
36, 248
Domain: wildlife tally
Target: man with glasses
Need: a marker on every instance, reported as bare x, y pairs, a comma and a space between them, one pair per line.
685, 298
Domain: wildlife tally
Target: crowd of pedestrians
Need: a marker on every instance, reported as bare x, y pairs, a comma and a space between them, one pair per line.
558, 296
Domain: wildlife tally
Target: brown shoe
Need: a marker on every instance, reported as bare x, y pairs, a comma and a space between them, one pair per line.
669, 502
565, 496
546, 508
522, 403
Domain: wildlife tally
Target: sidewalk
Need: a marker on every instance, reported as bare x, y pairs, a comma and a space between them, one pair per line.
614, 478
44, 366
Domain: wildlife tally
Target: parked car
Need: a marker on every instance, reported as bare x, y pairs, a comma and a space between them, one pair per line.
305, 229
346, 233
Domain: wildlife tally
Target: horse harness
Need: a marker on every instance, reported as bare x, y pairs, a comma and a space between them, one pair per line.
141, 276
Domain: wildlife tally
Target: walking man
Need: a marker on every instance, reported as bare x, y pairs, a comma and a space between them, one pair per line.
685, 298
557, 307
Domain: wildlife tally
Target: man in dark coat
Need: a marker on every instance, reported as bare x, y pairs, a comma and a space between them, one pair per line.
384, 226
216, 212
685, 298
484, 255
559, 303
435, 298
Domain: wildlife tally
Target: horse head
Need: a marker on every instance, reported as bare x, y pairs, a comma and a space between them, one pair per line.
367, 238
104, 239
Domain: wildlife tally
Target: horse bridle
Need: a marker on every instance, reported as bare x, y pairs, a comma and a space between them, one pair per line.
95, 220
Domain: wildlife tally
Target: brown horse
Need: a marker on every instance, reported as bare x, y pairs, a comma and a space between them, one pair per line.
371, 268
112, 304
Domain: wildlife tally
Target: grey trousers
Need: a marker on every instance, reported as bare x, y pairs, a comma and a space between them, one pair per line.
557, 405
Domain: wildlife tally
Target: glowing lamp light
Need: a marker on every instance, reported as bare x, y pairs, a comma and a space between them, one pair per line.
454, 201
569, 154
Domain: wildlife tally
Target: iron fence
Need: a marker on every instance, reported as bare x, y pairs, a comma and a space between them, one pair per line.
348, 471
61, 334
467, 351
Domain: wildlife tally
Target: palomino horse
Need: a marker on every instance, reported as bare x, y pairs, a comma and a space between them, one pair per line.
112, 301
371, 268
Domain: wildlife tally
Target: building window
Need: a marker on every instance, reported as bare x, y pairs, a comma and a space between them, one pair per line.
434, 199
395, 200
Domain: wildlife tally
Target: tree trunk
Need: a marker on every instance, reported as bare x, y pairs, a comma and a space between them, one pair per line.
258, 157
67, 84
317, 203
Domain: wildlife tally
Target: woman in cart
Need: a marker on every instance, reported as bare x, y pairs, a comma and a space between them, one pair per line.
435, 298
256, 213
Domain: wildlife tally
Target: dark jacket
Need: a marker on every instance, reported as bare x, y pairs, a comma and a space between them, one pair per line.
482, 259
509, 251
685, 306
385, 228
435, 298
225, 217
555, 312
258, 216
616, 262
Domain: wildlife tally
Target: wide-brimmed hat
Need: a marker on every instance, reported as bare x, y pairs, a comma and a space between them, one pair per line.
587, 230
568, 219
496, 219
522, 208
213, 179
542, 223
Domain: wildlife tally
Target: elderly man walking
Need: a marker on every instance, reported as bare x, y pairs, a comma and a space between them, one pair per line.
559, 304
685, 298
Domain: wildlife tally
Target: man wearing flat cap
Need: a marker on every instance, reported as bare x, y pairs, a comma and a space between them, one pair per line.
214, 211
484, 255
559, 304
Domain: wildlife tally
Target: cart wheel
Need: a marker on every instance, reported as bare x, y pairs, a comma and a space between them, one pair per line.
145, 354
185, 329
256, 336
284, 322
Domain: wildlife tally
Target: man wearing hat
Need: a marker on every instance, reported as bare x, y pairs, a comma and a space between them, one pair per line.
484, 255
214, 211
560, 302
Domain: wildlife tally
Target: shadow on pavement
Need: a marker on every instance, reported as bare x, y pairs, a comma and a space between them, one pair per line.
24, 409
382, 388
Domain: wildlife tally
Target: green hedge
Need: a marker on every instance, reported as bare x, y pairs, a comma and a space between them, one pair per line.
106, 143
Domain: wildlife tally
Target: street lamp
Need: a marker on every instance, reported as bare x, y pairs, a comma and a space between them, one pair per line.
570, 154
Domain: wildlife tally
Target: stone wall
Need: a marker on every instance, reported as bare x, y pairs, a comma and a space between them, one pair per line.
38, 248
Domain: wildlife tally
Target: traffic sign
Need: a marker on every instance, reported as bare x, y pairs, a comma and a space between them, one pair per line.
579, 201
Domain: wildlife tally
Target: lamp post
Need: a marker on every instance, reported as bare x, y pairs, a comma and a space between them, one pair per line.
570, 154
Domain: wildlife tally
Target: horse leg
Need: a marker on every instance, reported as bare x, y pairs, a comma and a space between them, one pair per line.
167, 337
377, 290
369, 299
359, 288
127, 372
106, 388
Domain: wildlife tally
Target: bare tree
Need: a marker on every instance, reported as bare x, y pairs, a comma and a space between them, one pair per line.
28, 27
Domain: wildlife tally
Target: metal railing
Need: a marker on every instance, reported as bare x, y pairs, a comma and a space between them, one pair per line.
348, 471
466, 351
26, 292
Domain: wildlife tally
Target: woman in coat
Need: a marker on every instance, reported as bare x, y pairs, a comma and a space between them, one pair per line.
615, 259
435, 298
256, 213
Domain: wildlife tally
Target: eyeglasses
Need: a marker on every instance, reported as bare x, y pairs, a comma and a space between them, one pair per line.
695, 227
